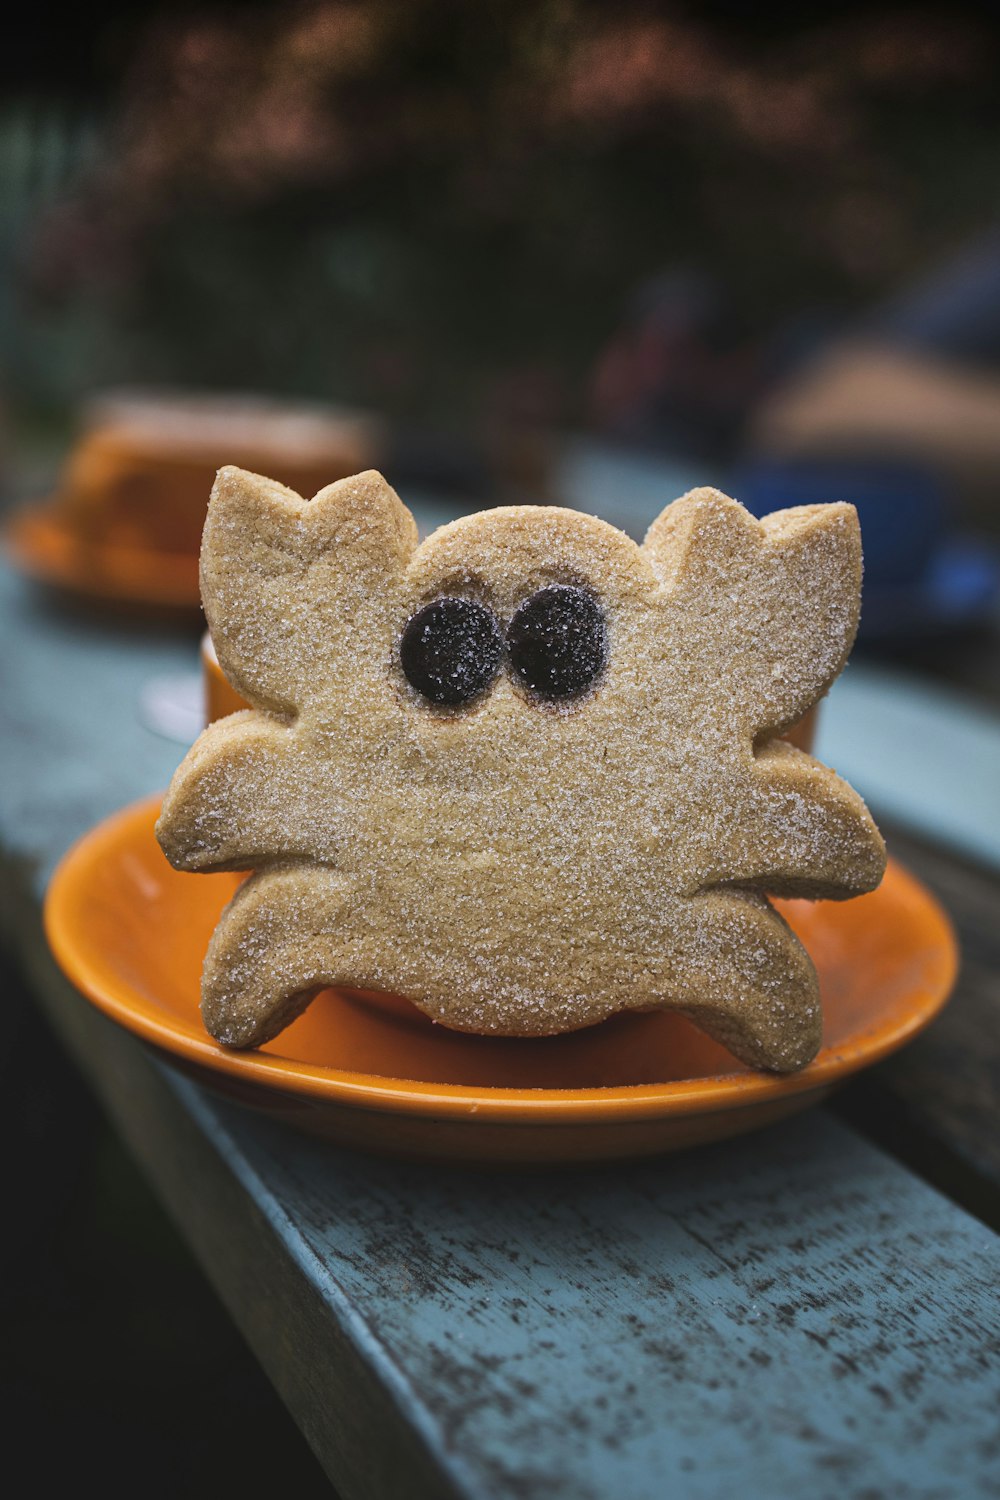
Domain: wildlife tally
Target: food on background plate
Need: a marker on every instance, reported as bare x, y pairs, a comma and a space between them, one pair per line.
143, 466
526, 773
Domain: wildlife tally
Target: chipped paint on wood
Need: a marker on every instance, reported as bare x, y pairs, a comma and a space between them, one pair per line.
794, 1313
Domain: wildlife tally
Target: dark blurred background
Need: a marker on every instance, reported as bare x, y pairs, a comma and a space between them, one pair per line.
442, 208
633, 217
756, 247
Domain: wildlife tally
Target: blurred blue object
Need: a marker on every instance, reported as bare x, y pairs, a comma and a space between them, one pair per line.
919, 579
901, 507
953, 311
626, 486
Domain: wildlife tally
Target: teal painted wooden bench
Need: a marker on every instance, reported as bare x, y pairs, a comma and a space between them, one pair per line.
797, 1313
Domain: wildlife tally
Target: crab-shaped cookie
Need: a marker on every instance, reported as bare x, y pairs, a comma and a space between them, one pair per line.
525, 773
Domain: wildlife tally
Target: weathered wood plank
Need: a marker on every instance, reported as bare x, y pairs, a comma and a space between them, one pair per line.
74, 745
343, 1409
790, 1313
787, 1312
936, 1104
922, 755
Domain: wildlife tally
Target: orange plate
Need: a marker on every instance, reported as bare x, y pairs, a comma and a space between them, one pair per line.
373, 1071
41, 544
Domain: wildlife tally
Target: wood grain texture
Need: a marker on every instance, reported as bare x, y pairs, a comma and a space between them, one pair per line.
793, 1313
937, 1103
74, 746
921, 754
341, 1405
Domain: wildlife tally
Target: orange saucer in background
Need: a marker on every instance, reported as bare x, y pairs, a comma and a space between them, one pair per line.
44, 547
373, 1071
125, 525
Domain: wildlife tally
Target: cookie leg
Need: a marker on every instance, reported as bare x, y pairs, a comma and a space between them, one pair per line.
277, 943
753, 986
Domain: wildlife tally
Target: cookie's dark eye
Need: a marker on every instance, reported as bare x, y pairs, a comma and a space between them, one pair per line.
557, 641
450, 650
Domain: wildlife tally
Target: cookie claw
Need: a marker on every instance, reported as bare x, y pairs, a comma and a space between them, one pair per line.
274, 948
754, 989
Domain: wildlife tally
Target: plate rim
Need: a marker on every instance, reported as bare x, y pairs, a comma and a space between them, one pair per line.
599, 1106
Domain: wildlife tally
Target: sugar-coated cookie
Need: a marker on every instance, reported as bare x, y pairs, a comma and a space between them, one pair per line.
524, 773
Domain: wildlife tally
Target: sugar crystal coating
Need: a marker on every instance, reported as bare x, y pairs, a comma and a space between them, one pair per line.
516, 871
450, 650
557, 641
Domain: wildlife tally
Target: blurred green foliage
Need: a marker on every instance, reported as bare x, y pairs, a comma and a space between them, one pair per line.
441, 209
